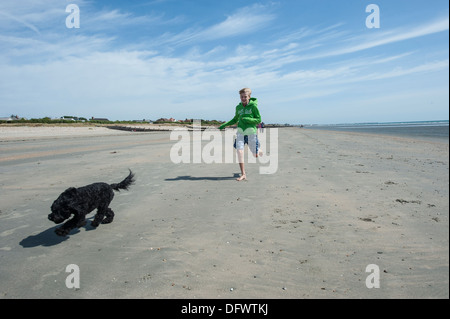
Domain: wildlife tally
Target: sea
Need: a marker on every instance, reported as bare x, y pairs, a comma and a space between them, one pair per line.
422, 130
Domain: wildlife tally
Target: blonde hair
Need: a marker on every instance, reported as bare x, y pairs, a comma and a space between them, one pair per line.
246, 90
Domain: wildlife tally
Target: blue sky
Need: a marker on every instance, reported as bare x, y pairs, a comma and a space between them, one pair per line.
307, 61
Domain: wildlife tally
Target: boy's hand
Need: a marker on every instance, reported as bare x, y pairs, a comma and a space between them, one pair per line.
244, 120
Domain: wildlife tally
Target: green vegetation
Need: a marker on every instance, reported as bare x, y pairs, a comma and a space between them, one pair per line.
74, 119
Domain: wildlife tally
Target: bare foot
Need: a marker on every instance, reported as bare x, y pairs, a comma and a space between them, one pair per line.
243, 177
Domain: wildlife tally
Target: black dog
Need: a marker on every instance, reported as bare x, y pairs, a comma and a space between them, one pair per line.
81, 201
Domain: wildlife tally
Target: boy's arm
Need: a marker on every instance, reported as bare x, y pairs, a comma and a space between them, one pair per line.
234, 120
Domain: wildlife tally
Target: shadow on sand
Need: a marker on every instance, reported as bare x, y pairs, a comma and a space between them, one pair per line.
49, 238
205, 178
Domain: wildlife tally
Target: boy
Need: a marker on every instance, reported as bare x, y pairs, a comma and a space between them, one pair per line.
247, 116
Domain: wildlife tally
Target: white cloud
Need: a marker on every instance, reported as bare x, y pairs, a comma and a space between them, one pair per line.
37, 15
8, 16
401, 71
243, 22
389, 37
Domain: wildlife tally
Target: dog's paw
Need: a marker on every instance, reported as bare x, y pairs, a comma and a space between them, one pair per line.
81, 223
94, 223
61, 231
107, 220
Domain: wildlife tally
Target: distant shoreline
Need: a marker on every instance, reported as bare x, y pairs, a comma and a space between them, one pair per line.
18, 131
426, 130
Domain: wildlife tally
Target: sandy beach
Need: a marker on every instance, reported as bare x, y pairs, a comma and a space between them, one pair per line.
337, 203
17, 132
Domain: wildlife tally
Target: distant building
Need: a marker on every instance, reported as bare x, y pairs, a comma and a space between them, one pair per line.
163, 119
11, 118
69, 118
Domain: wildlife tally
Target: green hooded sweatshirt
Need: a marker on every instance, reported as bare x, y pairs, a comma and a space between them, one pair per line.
247, 118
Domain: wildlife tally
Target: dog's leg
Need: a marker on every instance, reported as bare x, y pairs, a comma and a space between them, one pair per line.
81, 221
102, 208
109, 216
97, 219
70, 224
101, 211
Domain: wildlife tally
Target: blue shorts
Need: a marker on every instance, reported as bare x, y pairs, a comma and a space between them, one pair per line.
250, 140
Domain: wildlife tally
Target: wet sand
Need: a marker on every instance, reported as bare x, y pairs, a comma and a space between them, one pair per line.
337, 203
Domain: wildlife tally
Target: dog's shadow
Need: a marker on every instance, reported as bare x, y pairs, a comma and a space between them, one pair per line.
49, 238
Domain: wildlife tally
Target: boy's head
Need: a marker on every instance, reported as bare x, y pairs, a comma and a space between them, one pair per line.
245, 94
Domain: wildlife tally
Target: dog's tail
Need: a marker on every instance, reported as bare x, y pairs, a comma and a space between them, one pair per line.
129, 180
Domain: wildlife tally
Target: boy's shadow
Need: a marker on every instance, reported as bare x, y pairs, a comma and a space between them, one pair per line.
49, 238
206, 178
